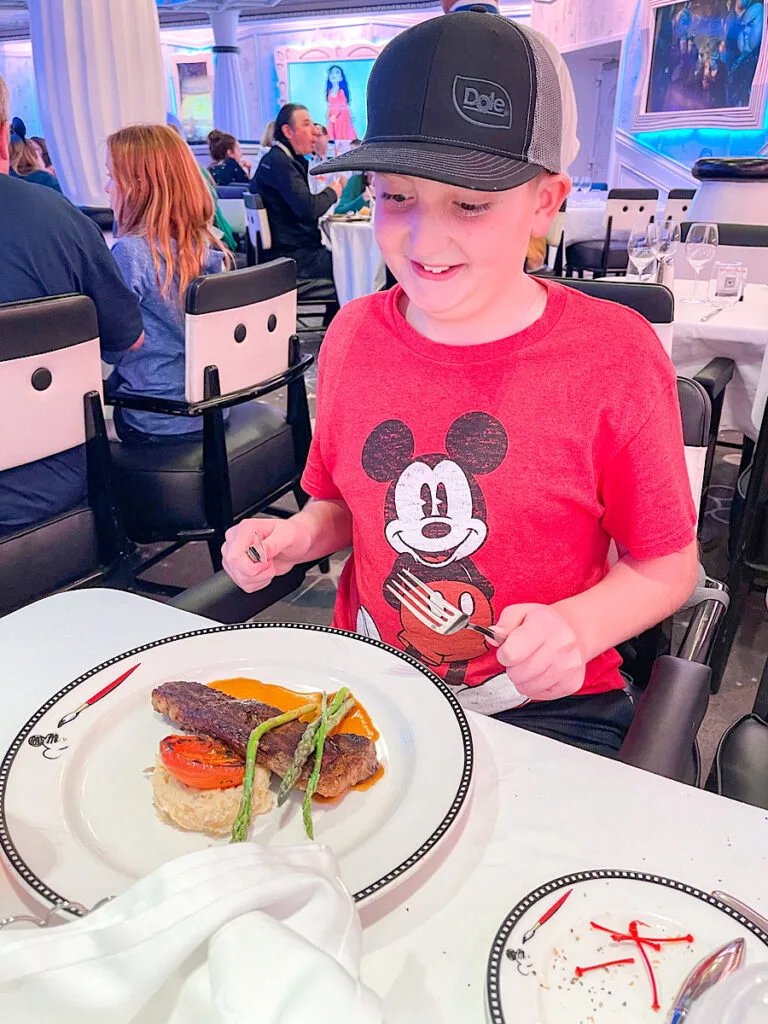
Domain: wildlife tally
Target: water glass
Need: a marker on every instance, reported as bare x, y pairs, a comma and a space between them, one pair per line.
640, 250
700, 249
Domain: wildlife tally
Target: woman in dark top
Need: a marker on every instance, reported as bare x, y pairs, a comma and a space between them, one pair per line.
228, 167
26, 161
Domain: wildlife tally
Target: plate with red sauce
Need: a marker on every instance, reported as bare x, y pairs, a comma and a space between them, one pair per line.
77, 819
607, 947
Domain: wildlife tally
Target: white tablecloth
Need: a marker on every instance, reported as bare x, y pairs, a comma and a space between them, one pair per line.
739, 332
584, 216
358, 268
538, 810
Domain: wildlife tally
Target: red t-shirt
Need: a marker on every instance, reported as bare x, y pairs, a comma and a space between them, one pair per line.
497, 473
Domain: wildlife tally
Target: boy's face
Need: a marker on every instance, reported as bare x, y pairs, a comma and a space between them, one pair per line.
454, 250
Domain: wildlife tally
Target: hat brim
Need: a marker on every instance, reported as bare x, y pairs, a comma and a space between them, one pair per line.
451, 165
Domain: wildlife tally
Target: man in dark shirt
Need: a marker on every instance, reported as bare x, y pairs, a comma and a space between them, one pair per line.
281, 180
48, 247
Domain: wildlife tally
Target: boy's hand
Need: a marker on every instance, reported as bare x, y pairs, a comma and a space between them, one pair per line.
541, 653
282, 540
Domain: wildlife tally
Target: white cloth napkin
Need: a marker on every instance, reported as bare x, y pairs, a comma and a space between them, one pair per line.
230, 935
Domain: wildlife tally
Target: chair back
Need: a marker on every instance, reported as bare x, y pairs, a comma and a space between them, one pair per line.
695, 411
233, 211
258, 222
678, 203
49, 360
742, 243
629, 206
240, 321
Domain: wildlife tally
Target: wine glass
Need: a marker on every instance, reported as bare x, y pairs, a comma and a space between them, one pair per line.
639, 248
587, 182
700, 250
665, 239
578, 181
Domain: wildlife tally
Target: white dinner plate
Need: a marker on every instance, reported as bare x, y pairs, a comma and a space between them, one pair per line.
535, 982
77, 820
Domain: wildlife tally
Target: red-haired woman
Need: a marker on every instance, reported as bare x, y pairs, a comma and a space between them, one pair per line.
164, 212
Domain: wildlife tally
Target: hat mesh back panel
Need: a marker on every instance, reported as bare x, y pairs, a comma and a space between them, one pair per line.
546, 137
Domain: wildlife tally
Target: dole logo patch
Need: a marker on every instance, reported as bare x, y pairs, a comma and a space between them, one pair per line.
483, 103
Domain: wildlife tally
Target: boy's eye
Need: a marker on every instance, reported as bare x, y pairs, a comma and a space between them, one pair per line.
394, 197
472, 209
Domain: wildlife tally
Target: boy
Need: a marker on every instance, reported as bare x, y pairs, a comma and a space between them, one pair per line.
488, 431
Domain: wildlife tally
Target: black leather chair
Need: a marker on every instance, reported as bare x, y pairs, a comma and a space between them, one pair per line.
315, 298
102, 216
740, 767
750, 236
608, 255
240, 348
50, 378
748, 549
657, 304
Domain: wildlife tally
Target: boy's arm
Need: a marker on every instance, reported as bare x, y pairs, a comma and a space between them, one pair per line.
548, 646
319, 529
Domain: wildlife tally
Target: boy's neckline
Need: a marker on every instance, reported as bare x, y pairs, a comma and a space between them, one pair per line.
484, 351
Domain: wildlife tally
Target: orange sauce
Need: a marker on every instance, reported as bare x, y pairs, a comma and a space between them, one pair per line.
358, 721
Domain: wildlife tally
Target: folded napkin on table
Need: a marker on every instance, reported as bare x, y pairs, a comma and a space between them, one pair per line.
230, 935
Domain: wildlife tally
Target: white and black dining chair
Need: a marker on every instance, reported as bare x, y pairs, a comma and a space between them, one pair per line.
50, 382
678, 204
241, 347
231, 205
314, 297
748, 542
625, 208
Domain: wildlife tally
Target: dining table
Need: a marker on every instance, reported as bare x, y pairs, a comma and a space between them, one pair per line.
584, 216
358, 266
537, 810
739, 332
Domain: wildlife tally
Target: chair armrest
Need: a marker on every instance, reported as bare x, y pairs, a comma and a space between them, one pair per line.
667, 718
715, 375
220, 599
172, 407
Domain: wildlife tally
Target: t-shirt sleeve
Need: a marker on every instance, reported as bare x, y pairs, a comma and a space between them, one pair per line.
645, 490
117, 306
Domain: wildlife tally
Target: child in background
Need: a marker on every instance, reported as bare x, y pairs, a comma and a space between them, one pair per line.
488, 431
164, 214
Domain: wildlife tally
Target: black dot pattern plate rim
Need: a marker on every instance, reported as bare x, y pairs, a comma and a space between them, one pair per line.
495, 959
40, 888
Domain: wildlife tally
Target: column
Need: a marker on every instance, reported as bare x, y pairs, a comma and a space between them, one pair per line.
98, 67
230, 111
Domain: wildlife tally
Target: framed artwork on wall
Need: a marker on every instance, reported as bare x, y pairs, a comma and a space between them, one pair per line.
704, 65
192, 76
331, 82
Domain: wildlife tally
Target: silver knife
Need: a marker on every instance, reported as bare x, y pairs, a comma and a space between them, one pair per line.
709, 972
742, 908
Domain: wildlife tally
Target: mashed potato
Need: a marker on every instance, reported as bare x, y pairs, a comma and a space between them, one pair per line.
212, 811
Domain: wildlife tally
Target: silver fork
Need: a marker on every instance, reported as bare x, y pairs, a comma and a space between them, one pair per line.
432, 610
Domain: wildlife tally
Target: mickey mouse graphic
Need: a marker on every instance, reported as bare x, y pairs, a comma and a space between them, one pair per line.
435, 519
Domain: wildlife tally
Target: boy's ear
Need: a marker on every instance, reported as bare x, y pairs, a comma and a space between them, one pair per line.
551, 190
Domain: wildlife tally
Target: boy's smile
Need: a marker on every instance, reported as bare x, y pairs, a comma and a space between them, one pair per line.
432, 273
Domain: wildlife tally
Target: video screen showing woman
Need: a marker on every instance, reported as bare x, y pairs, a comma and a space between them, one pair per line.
338, 116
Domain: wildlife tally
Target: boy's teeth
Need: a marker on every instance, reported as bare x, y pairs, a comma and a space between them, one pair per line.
435, 270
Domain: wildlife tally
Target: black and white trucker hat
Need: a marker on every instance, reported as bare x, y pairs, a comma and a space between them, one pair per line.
468, 99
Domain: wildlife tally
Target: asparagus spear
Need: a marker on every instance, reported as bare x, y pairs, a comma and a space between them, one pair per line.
243, 819
308, 740
313, 778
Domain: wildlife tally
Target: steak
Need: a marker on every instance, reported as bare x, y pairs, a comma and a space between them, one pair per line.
347, 758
